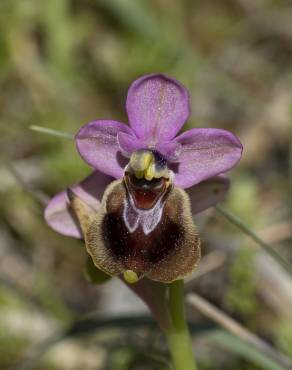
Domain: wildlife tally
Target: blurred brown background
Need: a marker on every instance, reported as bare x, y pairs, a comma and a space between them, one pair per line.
64, 63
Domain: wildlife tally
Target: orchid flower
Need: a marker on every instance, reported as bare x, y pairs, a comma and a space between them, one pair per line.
133, 211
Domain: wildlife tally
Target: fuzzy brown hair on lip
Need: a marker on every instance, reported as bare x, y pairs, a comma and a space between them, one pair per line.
170, 252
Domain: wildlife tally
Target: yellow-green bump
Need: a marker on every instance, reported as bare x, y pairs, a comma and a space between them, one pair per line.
143, 165
149, 172
139, 174
130, 276
141, 160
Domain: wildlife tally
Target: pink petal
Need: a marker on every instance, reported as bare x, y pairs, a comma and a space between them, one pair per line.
98, 145
205, 152
157, 107
170, 150
59, 216
129, 144
208, 193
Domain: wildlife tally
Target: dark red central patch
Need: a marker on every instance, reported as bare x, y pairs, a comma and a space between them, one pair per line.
145, 193
136, 250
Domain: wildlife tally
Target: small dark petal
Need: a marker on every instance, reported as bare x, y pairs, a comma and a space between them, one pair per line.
208, 193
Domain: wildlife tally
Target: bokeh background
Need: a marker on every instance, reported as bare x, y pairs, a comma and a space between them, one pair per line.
64, 63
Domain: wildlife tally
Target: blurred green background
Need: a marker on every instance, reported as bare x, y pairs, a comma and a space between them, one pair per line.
64, 63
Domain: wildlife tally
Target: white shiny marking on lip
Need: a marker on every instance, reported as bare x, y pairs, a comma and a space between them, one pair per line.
148, 219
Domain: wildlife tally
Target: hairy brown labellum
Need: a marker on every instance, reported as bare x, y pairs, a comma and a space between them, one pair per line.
143, 226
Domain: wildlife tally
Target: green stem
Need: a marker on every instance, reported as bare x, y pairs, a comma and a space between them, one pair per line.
51, 131
178, 336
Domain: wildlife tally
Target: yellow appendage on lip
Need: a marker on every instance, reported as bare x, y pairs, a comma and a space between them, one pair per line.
143, 164
141, 160
130, 276
150, 172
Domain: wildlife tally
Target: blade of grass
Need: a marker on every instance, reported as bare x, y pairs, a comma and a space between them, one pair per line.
134, 15
50, 131
244, 350
40, 196
209, 310
91, 323
245, 229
